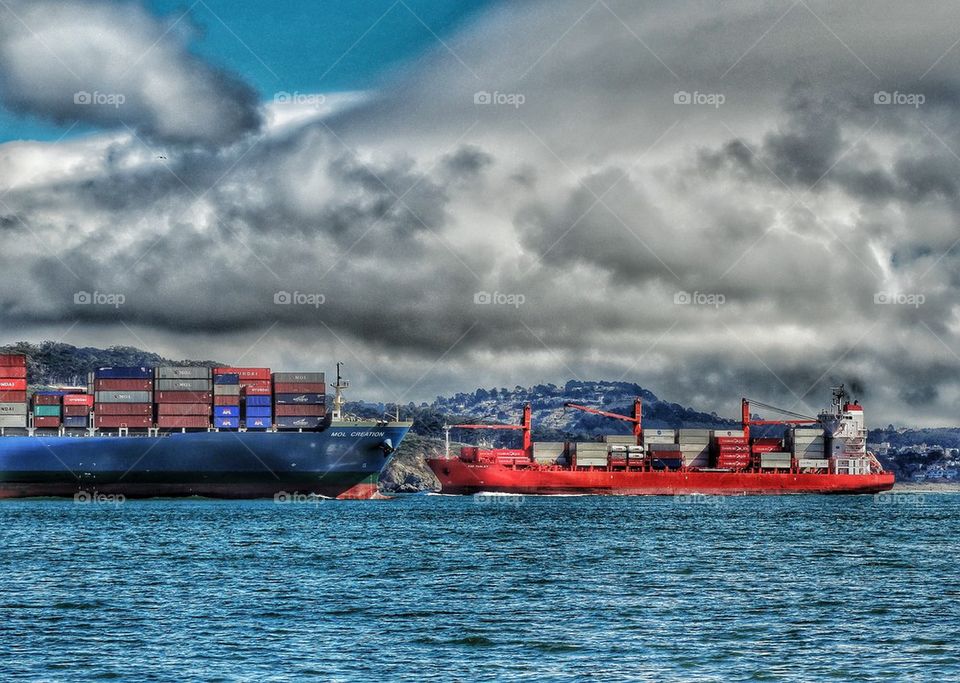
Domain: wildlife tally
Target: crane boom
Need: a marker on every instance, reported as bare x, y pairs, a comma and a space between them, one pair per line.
635, 418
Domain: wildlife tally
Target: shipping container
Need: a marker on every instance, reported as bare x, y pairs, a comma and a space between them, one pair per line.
179, 409
78, 400
227, 379
620, 438
652, 431
183, 397
13, 360
75, 421
13, 421
74, 411
123, 397
183, 422
550, 452
808, 463
183, 385
664, 447
259, 411
123, 384
47, 399
13, 396
226, 422
298, 422
46, 422
297, 388
661, 462
257, 401
299, 377
288, 410
226, 400
728, 433
13, 384
13, 408
226, 389
114, 409
250, 390
123, 373
13, 372
182, 372
226, 411
299, 399
258, 422
245, 373
46, 411
130, 421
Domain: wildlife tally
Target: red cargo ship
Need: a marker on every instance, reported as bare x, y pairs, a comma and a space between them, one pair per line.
828, 455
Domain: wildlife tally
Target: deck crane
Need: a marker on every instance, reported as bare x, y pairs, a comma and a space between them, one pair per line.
796, 418
524, 426
635, 419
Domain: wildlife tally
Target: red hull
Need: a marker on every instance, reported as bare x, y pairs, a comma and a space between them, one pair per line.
459, 477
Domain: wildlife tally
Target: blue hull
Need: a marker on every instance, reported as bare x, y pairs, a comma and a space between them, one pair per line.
343, 461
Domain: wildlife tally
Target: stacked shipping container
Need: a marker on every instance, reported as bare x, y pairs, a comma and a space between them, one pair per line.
299, 399
47, 409
13, 390
184, 397
255, 390
226, 401
123, 397
76, 410
732, 449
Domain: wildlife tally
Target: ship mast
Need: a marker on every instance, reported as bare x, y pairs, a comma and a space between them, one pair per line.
338, 396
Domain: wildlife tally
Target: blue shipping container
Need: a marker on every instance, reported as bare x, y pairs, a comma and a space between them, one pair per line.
226, 411
259, 411
124, 373
258, 401
226, 422
75, 421
300, 399
226, 379
258, 422
299, 422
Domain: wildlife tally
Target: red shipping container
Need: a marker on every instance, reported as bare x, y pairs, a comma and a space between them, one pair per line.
226, 400
131, 421
294, 410
181, 421
13, 385
78, 400
768, 441
251, 390
123, 385
731, 440
183, 397
766, 448
47, 400
201, 409
299, 388
13, 397
138, 409
13, 372
75, 411
8, 360
245, 373
46, 422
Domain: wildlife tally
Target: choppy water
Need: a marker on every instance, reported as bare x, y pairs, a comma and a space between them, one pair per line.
435, 587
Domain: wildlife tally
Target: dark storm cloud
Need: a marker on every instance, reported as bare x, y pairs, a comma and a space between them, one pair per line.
113, 65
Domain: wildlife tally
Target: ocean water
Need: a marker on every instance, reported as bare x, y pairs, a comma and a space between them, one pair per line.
482, 588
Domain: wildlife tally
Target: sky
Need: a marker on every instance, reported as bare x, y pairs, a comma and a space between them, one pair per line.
713, 200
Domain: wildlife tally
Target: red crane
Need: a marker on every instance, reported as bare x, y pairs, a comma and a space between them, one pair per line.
635, 419
747, 420
524, 426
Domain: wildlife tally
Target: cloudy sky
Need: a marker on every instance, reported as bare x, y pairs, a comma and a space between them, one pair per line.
710, 199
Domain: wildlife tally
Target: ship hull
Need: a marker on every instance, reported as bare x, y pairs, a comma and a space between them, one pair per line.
343, 461
459, 477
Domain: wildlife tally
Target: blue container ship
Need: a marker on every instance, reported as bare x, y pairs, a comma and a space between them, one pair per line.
238, 455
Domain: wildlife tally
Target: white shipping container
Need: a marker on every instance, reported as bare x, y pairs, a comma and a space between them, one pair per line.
620, 438
727, 433
821, 463
13, 421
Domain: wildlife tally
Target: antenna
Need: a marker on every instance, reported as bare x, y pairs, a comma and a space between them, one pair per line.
338, 396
